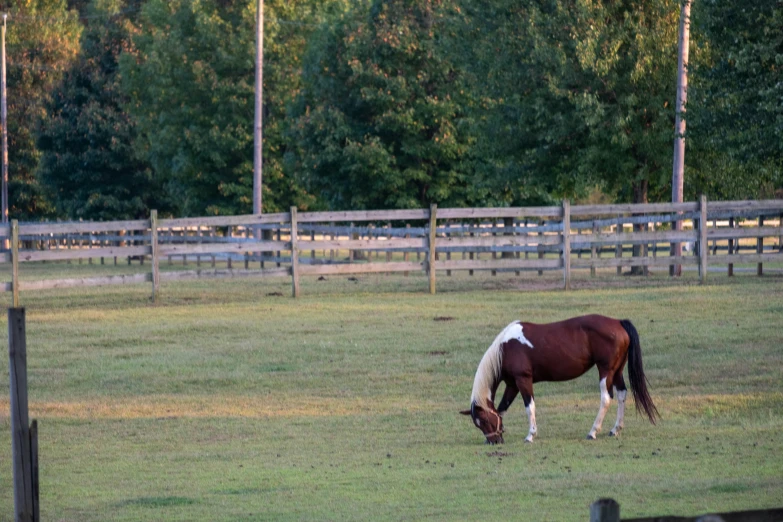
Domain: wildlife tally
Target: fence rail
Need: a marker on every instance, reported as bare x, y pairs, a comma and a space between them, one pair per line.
555, 238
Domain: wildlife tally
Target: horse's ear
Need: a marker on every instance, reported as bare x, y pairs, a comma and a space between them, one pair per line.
465, 412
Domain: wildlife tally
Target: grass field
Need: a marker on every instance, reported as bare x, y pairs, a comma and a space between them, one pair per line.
231, 401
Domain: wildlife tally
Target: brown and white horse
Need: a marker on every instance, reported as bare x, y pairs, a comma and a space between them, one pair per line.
525, 353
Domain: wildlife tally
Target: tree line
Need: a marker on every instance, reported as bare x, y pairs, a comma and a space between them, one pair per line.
119, 106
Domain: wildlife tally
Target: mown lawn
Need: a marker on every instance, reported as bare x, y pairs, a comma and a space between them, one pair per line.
231, 401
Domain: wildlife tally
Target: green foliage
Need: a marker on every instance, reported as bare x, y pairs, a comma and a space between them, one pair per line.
381, 118
191, 87
737, 122
42, 41
87, 143
581, 92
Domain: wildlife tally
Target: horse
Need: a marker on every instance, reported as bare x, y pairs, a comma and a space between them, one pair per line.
526, 353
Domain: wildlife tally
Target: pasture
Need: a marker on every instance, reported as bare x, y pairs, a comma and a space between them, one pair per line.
231, 401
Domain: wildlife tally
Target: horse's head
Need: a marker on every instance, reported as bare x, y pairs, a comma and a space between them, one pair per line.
488, 421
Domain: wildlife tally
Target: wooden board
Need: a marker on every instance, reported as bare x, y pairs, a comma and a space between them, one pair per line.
181, 275
226, 221
85, 281
635, 261
82, 253
362, 244
363, 215
169, 249
633, 208
82, 228
498, 241
360, 268
500, 264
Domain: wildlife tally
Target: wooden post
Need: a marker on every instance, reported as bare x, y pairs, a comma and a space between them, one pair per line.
15, 261
406, 255
279, 235
35, 474
247, 254
566, 245
431, 246
514, 224
294, 254
605, 510
448, 254
155, 255
471, 256
494, 253
618, 250
312, 252
592, 250
540, 252
731, 248
760, 248
20, 429
703, 247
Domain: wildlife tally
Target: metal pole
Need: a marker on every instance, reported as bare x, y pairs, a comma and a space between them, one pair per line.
258, 135
678, 169
4, 118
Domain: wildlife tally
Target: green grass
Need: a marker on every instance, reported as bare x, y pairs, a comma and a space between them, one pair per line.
227, 401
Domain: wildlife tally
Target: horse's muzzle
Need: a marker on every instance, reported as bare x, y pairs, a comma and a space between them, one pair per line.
497, 440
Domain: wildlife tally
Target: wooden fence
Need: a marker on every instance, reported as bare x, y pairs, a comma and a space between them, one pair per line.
294, 244
608, 510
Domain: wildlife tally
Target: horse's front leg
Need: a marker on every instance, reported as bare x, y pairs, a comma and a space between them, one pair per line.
605, 400
525, 385
509, 395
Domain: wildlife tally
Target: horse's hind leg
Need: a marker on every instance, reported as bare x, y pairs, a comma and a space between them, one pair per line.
619, 386
605, 400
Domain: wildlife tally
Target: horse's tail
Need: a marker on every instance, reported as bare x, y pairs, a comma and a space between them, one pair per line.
636, 374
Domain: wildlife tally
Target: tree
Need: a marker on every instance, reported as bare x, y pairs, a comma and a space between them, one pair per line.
737, 120
88, 159
42, 42
191, 91
584, 92
381, 120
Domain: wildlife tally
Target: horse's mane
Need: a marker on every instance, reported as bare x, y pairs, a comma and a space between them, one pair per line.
488, 371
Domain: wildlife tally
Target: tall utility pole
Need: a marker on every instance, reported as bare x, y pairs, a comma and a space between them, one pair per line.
678, 169
258, 134
4, 122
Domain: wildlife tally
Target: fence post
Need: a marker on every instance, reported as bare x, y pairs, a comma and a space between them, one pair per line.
703, 247
294, 254
593, 251
20, 430
618, 249
760, 247
566, 245
155, 255
34, 465
731, 248
431, 246
15, 261
605, 510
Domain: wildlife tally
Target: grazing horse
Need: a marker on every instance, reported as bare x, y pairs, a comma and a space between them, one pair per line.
525, 353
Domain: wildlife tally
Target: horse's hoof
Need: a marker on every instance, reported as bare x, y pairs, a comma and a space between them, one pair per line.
590, 437
528, 441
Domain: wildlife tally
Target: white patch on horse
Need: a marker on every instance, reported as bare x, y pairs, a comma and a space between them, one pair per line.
514, 331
